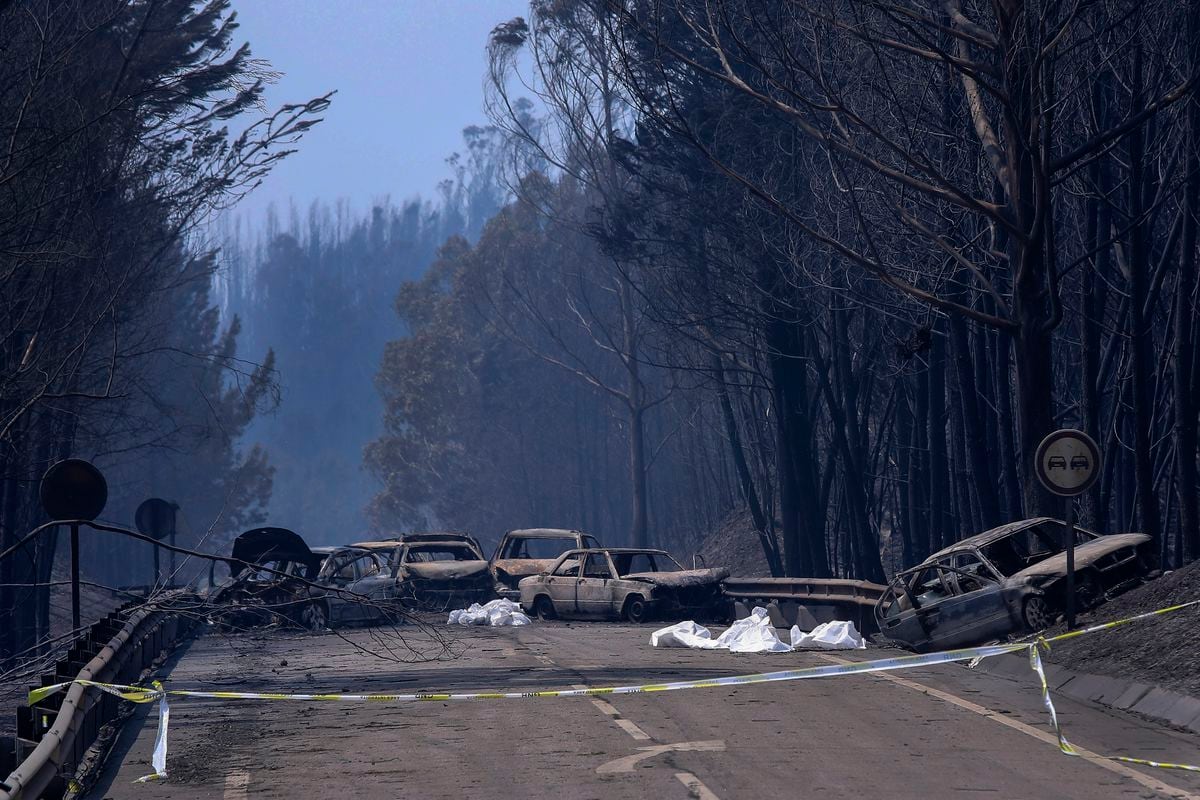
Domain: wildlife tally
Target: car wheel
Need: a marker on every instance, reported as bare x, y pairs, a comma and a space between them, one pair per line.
1036, 614
637, 610
315, 617
543, 606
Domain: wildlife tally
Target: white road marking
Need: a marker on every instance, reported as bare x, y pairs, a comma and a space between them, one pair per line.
610, 710
606, 708
1148, 781
235, 785
627, 763
695, 786
632, 730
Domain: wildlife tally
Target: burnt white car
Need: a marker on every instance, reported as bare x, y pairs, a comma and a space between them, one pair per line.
623, 583
1011, 579
529, 551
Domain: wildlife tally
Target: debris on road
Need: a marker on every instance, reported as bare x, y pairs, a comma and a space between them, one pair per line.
496, 613
756, 634
836, 635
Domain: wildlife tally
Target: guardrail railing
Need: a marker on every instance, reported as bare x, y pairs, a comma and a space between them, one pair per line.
807, 601
54, 735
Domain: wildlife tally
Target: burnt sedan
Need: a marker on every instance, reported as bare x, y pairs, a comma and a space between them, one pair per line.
357, 583
272, 575
438, 574
1008, 580
623, 583
529, 551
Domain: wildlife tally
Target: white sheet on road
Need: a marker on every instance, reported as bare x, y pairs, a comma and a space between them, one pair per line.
836, 635
495, 613
756, 634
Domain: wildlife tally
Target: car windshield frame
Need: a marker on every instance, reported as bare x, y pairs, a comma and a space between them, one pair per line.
655, 558
445, 547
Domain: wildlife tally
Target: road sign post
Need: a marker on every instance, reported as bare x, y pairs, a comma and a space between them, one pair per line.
73, 490
1068, 463
156, 517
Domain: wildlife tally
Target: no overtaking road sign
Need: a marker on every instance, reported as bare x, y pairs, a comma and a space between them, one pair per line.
1067, 462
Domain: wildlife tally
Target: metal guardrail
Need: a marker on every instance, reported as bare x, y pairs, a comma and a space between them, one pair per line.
807, 601
54, 735
806, 589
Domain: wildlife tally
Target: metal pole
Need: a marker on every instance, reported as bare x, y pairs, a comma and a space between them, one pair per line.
75, 623
1070, 545
154, 582
174, 524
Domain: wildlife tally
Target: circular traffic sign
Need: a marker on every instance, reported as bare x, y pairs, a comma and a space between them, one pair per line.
1067, 462
155, 517
73, 489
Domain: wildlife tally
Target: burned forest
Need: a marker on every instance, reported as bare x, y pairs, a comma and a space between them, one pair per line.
318, 323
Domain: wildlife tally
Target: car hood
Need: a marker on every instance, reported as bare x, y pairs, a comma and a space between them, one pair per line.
681, 579
259, 545
519, 567
1085, 554
445, 570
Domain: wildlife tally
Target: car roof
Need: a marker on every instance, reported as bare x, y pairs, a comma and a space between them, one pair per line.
447, 544
619, 550
375, 545
987, 537
547, 533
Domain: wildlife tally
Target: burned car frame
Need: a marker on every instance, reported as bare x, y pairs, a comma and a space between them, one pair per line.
528, 551
358, 584
1008, 580
436, 574
272, 574
624, 583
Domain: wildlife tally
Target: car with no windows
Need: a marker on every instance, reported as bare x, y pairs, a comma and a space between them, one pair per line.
529, 551
623, 583
1008, 580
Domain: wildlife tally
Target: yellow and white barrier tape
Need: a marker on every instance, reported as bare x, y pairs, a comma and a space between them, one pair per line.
156, 691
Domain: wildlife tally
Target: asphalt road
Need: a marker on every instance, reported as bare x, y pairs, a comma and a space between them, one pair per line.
945, 732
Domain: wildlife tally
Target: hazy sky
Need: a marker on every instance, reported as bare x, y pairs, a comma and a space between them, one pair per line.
408, 75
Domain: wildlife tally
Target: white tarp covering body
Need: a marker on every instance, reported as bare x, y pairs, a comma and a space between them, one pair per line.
756, 634
836, 635
494, 613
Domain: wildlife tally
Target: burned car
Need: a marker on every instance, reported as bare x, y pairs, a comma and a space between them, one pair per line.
271, 580
358, 584
527, 552
623, 583
1008, 580
436, 574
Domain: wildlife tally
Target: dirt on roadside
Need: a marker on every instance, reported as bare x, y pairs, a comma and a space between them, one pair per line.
1164, 651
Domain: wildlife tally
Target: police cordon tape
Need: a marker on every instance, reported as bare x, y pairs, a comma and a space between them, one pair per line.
156, 691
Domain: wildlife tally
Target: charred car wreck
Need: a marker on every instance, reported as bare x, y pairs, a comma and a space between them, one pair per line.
530, 551
624, 583
271, 581
1008, 580
439, 571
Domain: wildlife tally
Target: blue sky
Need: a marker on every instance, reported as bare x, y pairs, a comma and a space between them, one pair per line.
409, 76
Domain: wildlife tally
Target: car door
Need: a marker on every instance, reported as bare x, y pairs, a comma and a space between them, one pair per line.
372, 583
561, 585
975, 610
909, 610
594, 588
340, 574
